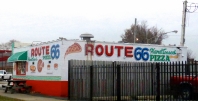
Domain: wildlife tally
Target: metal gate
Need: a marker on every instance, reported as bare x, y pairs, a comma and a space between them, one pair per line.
107, 80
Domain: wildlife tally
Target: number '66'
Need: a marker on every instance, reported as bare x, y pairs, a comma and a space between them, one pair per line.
141, 53
55, 52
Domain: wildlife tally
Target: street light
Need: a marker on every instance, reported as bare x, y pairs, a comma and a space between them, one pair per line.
175, 31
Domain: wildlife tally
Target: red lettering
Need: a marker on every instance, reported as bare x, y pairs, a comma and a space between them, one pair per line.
36, 51
107, 52
89, 48
47, 50
32, 52
43, 48
39, 51
101, 50
128, 51
119, 49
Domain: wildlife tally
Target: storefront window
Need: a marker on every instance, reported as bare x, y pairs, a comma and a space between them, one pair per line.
21, 68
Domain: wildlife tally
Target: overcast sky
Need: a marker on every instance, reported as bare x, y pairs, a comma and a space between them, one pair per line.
46, 20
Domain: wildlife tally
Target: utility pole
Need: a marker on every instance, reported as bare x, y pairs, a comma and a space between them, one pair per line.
135, 31
183, 23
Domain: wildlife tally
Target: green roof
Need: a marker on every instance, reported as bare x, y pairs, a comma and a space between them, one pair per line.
19, 56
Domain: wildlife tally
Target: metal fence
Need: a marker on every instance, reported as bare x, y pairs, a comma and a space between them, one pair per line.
107, 80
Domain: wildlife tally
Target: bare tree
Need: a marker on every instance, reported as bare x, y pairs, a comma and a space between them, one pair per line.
144, 34
7, 45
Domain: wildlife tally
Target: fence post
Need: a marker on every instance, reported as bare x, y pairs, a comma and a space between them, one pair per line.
69, 91
187, 68
152, 77
158, 82
114, 66
118, 84
91, 82
113, 76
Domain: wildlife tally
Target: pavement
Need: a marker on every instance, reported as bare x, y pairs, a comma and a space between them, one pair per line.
28, 97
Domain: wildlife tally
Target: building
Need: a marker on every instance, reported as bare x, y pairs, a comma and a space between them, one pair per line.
4, 65
45, 65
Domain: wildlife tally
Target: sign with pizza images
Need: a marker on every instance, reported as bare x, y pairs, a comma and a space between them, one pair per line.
43, 59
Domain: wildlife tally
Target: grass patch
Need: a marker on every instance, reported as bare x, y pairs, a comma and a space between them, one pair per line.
3, 98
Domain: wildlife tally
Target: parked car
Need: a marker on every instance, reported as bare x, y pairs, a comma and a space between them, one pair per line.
5, 75
184, 86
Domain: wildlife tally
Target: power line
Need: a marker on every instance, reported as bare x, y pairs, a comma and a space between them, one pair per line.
180, 35
195, 12
192, 7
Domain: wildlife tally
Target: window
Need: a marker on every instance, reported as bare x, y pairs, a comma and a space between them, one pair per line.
21, 68
1, 64
9, 64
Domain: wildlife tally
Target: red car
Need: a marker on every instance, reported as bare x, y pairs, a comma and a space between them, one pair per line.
184, 86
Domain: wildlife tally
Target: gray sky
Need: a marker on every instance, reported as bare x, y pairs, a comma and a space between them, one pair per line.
46, 20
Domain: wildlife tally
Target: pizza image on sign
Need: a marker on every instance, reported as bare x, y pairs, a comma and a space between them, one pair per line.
40, 65
74, 48
48, 67
56, 66
32, 68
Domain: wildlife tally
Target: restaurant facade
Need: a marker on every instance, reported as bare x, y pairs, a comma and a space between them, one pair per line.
45, 65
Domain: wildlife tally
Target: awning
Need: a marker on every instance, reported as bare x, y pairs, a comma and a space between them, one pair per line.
19, 56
